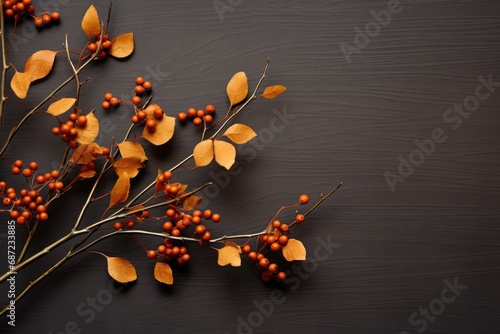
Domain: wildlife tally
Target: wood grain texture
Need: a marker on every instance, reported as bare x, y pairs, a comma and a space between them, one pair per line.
346, 122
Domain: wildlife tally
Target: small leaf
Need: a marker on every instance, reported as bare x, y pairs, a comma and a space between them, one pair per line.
39, 64
160, 186
203, 153
237, 88
130, 166
122, 45
229, 254
85, 153
61, 106
191, 202
20, 84
240, 133
119, 193
225, 153
121, 269
87, 174
272, 92
89, 133
130, 149
91, 24
164, 127
163, 273
294, 250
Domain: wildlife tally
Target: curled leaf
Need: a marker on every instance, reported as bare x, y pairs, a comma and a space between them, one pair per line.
89, 133
237, 88
229, 254
121, 269
294, 250
164, 127
129, 149
225, 153
122, 45
240, 133
203, 153
85, 153
163, 273
130, 166
191, 202
87, 174
91, 24
119, 193
20, 84
272, 92
61, 106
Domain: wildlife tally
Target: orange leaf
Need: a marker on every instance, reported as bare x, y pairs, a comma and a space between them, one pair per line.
240, 133
272, 92
191, 202
122, 45
20, 84
85, 153
39, 64
61, 106
225, 153
229, 254
130, 149
237, 88
121, 269
87, 174
119, 193
164, 127
91, 24
294, 250
87, 134
163, 273
129, 166
203, 153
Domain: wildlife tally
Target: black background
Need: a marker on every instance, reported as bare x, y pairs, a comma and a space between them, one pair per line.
347, 122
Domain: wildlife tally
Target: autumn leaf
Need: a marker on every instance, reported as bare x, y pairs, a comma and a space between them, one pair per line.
88, 174
229, 254
129, 149
272, 92
294, 250
119, 193
91, 24
129, 166
237, 88
61, 106
225, 153
240, 133
89, 133
85, 153
122, 45
164, 127
121, 269
160, 186
20, 84
191, 202
163, 273
203, 153
39, 64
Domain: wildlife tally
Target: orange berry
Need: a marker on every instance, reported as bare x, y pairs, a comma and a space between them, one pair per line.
108, 97
208, 119
216, 218
43, 216
300, 218
151, 254
276, 224
16, 170
139, 81
106, 44
167, 175
55, 16
200, 113
38, 22
135, 119
141, 114
136, 100
303, 199
92, 47
181, 116
139, 90
158, 113
46, 18
82, 121
197, 121
210, 109
191, 112
207, 214
275, 247
18, 163
115, 102
106, 105
27, 172
147, 85
246, 249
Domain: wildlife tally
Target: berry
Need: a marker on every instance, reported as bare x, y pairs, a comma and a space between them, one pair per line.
283, 240
197, 121
303, 199
27, 172
210, 109
284, 227
106, 105
139, 90
216, 218
141, 114
273, 267
170, 213
276, 224
151, 254
18, 163
208, 119
264, 262
115, 102
246, 249
135, 119
139, 81
108, 96
7, 201
136, 100
200, 229
117, 226
92, 47
151, 124
158, 113
275, 247
300, 218
280, 276
252, 256
182, 116
106, 44
38, 22
16, 170
43, 216
191, 112
167, 226
207, 214
55, 16
200, 113
46, 18
167, 175
206, 236
82, 121
147, 85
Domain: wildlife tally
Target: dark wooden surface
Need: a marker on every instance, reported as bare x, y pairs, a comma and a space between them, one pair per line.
347, 121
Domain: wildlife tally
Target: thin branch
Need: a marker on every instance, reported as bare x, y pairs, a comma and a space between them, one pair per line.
4, 67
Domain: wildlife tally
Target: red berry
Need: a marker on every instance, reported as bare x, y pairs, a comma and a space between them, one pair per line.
216, 218
115, 102
181, 116
136, 100
151, 254
197, 121
108, 96
55, 16
46, 18
106, 105
210, 109
303, 199
191, 112
300, 218
147, 85
139, 81
38, 22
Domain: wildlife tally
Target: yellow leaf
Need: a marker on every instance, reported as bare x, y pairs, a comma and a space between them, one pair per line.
164, 127
122, 45
203, 153
130, 166
87, 174
229, 254
130, 149
87, 134
20, 84
294, 250
163, 273
272, 92
191, 202
39, 64
237, 88
121, 269
225, 153
91, 24
85, 153
240, 133
61, 106
119, 193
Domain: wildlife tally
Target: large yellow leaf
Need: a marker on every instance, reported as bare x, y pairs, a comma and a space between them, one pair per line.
163, 273
272, 92
294, 250
91, 24
61, 106
122, 45
240, 133
225, 153
121, 269
129, 149
229, 254
203, 153
164, 127
20, 84
119, 193
39, 64
237, 88
89, 133
130, 166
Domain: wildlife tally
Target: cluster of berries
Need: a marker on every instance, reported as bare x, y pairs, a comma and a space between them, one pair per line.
142, 86
170, 252
198, 116
68, 131
105, 46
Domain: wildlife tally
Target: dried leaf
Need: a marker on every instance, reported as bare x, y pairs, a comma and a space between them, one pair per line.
191, 202
129, 166
87, 174
39, 64
294, 250
272, 92
61, 106
91, 24
20, 84
225, 153
121, 269
164, 127
85, 153
240, 133
237, 88
182, 187
160, 186
163, 273
229, 254
119, 193
203, 153
87, 134
130, 149
122, 45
